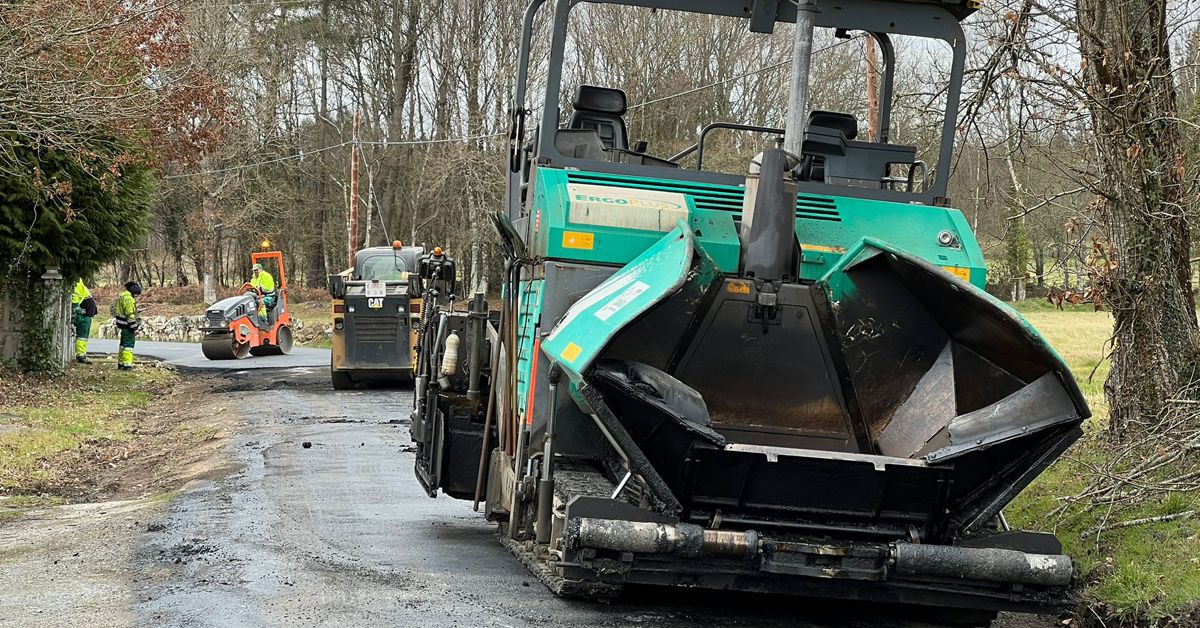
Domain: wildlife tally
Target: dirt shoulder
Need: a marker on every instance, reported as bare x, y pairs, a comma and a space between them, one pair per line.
68, 565
96, 434
88, 462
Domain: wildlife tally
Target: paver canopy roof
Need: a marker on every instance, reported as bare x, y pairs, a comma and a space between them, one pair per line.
766, 11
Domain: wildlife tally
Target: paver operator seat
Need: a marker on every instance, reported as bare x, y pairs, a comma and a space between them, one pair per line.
832, 154
601, 109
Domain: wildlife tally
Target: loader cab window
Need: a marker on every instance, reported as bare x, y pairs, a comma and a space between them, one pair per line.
384, 268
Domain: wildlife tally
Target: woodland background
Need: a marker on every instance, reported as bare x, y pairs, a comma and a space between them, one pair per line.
240, 114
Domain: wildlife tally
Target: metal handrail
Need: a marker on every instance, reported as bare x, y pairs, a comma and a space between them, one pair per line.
726, 125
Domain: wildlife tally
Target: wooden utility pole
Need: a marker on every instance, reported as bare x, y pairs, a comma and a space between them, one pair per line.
872, 90
352, 234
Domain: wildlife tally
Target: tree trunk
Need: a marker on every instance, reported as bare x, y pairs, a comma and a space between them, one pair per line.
1017, 241
1039, 264
1143, 267
181, 277
209, 245
404, 51
319, 267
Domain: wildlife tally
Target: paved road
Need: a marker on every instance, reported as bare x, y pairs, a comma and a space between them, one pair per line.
340, 534
337, 533
187, 355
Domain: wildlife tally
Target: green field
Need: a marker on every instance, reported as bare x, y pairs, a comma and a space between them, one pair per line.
1147, 571
1080, 335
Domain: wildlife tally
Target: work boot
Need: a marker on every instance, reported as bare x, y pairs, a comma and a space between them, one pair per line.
82, 359
124, 367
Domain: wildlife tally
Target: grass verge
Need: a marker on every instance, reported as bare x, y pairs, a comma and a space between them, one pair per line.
1080, 336
42, 420
1139, 575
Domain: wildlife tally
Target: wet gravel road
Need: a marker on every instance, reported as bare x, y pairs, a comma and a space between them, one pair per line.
340, 534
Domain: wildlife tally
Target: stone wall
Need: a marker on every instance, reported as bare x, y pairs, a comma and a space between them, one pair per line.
10, 329
159, 328
187, 329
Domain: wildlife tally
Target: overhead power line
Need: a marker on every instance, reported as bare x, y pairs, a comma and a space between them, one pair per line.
731, 79
315, 151
308, 153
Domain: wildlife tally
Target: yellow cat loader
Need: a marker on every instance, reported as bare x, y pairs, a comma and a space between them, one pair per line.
374, 335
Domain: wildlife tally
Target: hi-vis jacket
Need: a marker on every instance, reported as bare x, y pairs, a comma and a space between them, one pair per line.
124, 311
264, 282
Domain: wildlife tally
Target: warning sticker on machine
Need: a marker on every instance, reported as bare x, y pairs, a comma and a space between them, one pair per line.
621, 300
961, 273
578, 240
571, 352
375, 288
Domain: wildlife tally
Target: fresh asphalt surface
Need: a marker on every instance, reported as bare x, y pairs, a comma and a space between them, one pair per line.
187, 355
338, 532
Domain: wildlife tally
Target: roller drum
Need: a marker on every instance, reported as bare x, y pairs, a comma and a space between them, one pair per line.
224, 348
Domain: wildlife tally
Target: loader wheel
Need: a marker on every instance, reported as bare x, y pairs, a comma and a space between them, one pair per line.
225, 347
341, 380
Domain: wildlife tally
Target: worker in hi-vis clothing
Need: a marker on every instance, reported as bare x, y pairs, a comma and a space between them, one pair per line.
125, 314
85, 308
265, 284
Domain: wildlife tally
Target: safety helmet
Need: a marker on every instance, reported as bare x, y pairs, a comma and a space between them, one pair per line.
133, 287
